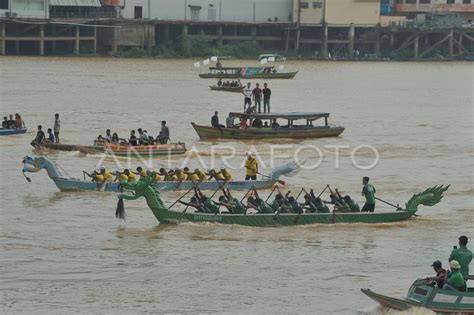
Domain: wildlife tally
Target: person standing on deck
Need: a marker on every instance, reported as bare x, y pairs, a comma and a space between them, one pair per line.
251, 168
57, 127
257, 98
247, 91
266, 98
369, 193
462, 255
164, 135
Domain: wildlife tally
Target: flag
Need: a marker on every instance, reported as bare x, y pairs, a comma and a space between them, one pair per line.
206, 62
264, 61
197, 64
281, 67
271, 59
214, 58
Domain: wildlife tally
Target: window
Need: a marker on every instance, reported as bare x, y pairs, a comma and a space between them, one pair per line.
425, 1
317, 5
138, 13
466, 1
450, 1
304, 5
410, 1
195, 12
211, 14
3, 4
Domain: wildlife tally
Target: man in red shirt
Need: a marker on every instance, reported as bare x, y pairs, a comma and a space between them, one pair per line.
257, 97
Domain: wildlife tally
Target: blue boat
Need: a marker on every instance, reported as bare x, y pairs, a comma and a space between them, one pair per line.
12, 131
36, 164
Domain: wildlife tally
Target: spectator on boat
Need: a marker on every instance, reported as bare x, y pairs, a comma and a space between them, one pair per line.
440, 274
219, 83
234, 205
133, 139
247, 91
40, 137
257, 98
215, 122
11, 123
257, 123
275, 125
142, 137
164, 136
251, 167
267, 93
50, 136
462, 255
56, 127
265, 125
243, 123
19, 123
368, 191
218, 64
108, 136
238, 83
229, 121
5, 123
115, 138
353, 206
454, 280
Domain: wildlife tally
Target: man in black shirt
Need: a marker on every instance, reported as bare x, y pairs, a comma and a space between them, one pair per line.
266, 97
40, 137
215, 122
5, 123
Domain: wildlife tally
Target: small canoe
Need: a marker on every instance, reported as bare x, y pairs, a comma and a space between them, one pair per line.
64, 183
14, 131
429, 197
234, 89
122, 150
423, 295
142, 151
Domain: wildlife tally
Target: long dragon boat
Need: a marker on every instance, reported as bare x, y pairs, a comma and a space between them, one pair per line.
142, 151
429, 197
246, 73
422, 294
65, 183
234, 89
12, 131
291, 130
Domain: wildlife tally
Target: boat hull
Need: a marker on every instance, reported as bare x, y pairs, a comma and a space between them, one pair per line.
286, 75
283, 219
65, 184
235, 89
123, 151
207, 132
15, 131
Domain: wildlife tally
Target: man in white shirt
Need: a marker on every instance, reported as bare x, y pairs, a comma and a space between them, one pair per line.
247, 91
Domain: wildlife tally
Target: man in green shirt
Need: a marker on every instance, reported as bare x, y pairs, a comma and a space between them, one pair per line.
462, 255
353, 206
369, 193
209, 205
454, 280
232, 204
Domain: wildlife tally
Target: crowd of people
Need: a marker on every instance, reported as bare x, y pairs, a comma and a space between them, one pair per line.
53, 133
13, 123
136, 138
197, 175
455, 278
228, 83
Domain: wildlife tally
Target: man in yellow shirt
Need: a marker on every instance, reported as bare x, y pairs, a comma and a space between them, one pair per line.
227, 174
180, 175
131, 177
143, 173
251, 168
213, 174
191, 176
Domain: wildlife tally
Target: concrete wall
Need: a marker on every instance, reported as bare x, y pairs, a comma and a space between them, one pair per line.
27, 9
212, 10
311, 11
359, 12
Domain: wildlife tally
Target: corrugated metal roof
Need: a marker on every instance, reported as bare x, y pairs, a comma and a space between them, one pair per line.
75, 3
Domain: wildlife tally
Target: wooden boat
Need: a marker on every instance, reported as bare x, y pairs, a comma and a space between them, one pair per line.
423, 294
65, 183
291, 130
246, 73
143, 151
235, 89
13, 131
429, 197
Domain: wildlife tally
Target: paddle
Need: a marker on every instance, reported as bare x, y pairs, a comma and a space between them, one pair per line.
120, 212
27, 178
390, 204
279, 181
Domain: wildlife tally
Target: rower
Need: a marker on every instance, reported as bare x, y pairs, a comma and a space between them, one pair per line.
294, 205
201, 174
143, 173
226, 174
157, 176
131, 177
232, 204
462, 255
102, 176
191, 176
454, 280
180, 175
353, 206
193, 202
263, 206
171, 176
213, 174
209, 206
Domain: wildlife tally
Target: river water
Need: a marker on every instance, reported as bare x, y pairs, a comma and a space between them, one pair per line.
66, 252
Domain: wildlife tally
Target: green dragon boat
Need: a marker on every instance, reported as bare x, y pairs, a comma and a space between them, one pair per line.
423, 294
429, 197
